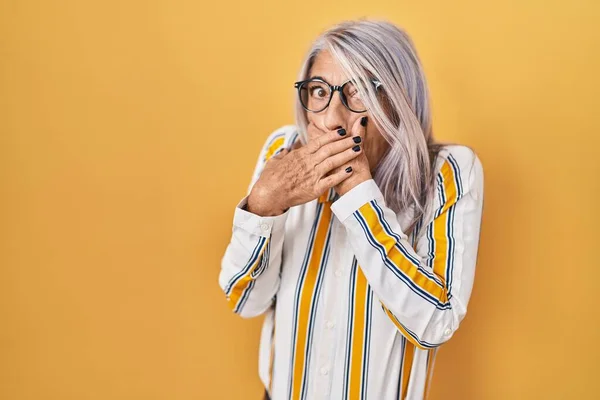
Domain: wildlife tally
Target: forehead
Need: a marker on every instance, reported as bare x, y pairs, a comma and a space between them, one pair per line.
327, 67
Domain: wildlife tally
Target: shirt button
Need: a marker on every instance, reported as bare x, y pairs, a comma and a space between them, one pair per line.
330, 324
447, 332
338, 273
264, 227
324, 370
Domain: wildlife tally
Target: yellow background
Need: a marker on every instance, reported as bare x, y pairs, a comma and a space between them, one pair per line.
128, 132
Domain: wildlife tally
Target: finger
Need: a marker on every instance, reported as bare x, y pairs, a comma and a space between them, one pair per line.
339, 159
337, 147
321, 138
334, 179
359, 128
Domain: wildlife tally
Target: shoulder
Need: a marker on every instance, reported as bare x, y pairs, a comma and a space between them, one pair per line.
281, 138
459, 168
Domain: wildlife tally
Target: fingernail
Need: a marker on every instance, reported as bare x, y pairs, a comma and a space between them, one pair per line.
349, 169
356, 148
363, 121
342, 132
357, 139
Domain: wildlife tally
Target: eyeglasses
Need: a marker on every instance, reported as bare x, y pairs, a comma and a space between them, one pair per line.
315, 94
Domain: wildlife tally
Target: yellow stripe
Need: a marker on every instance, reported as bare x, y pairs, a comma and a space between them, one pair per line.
306, 299
407, 362
243, 282
402, 263
401, 328
430, 361
274, 147
450, 189
440, 231
323, 198
358, 335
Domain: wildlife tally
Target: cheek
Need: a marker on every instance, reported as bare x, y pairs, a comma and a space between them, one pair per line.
375, 145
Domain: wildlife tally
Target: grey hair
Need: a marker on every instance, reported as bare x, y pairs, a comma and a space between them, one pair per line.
368, 49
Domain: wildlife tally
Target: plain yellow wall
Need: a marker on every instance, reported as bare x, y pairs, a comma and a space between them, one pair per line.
128, 132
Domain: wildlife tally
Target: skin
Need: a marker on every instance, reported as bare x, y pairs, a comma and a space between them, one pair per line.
304, 173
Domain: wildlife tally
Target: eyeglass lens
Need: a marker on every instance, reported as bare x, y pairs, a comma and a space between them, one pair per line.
315, 96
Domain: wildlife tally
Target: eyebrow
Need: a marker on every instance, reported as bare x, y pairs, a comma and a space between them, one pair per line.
323, 79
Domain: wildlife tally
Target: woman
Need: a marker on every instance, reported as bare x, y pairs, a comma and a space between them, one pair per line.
358, 237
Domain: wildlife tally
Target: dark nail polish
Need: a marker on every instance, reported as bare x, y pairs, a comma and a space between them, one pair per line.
342, 132
363, 121
356, 148
357, 139
349, 169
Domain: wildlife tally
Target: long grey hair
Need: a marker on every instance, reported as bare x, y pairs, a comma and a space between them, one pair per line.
367, 49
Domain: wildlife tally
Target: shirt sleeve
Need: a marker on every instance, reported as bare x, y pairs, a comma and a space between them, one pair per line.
250, 267
423, 290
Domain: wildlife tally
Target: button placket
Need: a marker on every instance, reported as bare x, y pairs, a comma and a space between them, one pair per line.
327, 349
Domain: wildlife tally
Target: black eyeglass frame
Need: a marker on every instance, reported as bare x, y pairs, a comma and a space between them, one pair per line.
332, 89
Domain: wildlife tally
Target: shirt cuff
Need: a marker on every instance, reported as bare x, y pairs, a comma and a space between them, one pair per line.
256, 224
355, 198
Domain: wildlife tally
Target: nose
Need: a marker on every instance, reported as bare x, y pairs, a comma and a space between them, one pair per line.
335, 114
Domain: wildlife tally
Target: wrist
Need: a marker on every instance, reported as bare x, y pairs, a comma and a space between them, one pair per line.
261, 205
350, 183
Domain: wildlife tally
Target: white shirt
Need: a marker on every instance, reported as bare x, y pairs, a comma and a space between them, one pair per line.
355, 308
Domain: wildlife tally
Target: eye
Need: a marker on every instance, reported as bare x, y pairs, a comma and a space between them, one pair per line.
317, 91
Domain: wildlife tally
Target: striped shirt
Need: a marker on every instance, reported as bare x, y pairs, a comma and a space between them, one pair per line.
354, 307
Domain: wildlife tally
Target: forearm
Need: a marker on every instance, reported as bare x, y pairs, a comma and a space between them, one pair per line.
415, 291
250, 267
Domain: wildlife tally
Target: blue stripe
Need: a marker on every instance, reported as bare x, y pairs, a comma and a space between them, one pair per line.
415, 261
350, 328
389, 231
367, 343
245, 270
301, 277
451, 215
264, 261
254, 274
451, 246
458, 179
395, 270
313, 311
441, 194
431, 244
416, 231
414, 336
292, 140
402, 350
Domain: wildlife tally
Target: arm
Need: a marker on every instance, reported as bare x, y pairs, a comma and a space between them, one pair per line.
251, 264
424, 292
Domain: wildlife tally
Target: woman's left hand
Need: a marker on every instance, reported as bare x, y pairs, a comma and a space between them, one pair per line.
360, 164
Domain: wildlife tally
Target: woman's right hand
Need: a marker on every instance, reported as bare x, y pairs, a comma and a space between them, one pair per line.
298, 176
